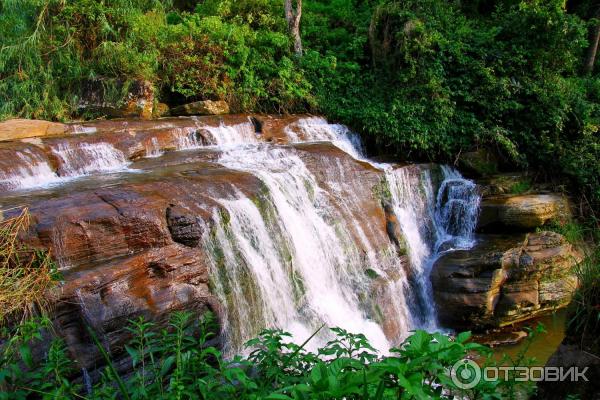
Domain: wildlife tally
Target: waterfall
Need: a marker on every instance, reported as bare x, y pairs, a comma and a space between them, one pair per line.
32, 171
230, 135
315, 129
87, 158
290, 261
187, 138
431, 224
153, 148
311, 246
457, 209
315, 258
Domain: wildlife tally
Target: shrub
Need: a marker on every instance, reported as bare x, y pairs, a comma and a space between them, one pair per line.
178, 362
26, 274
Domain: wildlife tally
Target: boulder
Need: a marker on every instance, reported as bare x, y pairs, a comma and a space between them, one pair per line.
117, 99
504, 279
522, 212
185, 226
14, 129
204, 107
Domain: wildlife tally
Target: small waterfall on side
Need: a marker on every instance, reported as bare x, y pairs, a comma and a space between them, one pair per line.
153, 148
431, 224
457, 209
88, 158
187, 139
315, 129
32, 171
230, 135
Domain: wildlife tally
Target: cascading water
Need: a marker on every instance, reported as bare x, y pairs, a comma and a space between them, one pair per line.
315, 261
457, 209
315, 129
431, 224
88, 158
226, 136
289, 261
32, 171
304, 253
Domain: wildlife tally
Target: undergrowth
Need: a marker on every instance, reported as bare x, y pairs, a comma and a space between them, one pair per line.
26, 274
178, 363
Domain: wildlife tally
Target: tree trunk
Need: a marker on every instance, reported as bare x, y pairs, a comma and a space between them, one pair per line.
594, 39
293, 19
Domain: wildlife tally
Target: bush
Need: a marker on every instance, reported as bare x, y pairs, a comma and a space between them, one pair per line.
421, 79
178, 363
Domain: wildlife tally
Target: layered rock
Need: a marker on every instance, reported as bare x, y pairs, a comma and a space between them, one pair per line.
522, 212
129, 247
204, 107
15, 129
503, 280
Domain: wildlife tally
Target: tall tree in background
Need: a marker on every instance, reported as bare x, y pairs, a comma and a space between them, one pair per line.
293, 15
594, 38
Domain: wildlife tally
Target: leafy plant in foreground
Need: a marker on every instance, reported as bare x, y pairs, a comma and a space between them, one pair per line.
178, 363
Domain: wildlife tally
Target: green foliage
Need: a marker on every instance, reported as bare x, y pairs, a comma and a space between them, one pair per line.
424, 79
585, 321
573, 232
178, 363
520, 187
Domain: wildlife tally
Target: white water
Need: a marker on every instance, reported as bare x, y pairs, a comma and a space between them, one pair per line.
322, 258
88, 158
297, 257
431, 224
457, 210
315, 129
294, 265
232, 135
153, 149
32, 171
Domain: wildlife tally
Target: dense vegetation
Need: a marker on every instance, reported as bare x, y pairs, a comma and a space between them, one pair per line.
423, 79
178, 363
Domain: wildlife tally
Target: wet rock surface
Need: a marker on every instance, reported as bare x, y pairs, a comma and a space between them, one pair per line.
184, 226
504, 279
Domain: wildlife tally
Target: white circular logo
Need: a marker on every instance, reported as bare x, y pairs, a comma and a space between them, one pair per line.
465, 374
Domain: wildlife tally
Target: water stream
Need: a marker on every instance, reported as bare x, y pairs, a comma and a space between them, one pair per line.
304, 253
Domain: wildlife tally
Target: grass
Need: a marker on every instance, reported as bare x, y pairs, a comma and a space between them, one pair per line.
520, 187
584, 323
574, 232
26, 274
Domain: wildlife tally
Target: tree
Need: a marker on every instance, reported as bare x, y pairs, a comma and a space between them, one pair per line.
594, 38
293, 15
